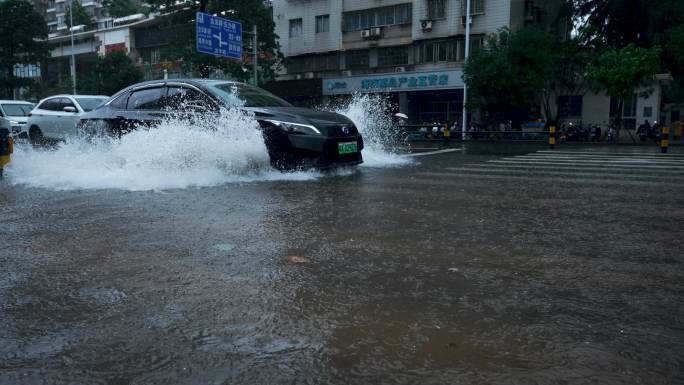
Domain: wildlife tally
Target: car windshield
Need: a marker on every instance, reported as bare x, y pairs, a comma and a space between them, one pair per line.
89, 104
235, 94
17, 109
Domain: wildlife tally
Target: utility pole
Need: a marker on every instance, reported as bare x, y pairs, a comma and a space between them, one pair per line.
256, 55
73, 57
465, 86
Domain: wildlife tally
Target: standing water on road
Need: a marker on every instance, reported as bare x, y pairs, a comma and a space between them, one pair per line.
180, 154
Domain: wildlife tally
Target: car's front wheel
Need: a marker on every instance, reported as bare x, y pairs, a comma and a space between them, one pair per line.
36, 135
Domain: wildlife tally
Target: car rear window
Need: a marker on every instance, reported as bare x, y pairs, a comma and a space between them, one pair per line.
145, 99
50, 105
17, 109
89, 104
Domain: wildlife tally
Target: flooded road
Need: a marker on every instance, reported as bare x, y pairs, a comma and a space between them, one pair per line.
482, 266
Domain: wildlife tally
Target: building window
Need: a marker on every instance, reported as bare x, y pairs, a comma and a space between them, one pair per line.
296, 27
570, 106
377, 17
326, 62
150, 55
476, 7
392, 56
438, 51
436, 9
322, 23
357, 59
648, 112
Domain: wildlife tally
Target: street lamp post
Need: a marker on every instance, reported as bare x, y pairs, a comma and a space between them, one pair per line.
465, 86
73, 57
256, 55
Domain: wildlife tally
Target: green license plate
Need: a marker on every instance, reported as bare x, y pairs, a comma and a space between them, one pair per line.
347, 148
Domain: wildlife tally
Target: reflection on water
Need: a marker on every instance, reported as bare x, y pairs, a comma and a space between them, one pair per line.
473, 281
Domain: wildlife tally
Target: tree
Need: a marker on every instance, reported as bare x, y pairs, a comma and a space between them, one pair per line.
643, 23
23, 33
569, 62
507, 76
180, 23
120, 8
109, 74
621, 71
80, 15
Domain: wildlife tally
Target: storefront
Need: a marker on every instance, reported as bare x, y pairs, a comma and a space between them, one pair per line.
426, 97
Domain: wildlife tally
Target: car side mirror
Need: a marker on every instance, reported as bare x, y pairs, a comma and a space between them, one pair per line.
69, 109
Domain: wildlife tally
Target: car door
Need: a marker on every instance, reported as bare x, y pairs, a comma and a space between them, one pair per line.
144, 107
185, 101
68, 120
45, 117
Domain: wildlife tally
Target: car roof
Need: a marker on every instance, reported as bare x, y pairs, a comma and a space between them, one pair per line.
15, 102
75, 96
200, 82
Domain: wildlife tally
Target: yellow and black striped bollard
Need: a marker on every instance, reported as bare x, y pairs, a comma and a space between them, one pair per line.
552, 137
664, 140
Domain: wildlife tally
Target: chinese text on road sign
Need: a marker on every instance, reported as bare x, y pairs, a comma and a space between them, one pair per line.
218, 36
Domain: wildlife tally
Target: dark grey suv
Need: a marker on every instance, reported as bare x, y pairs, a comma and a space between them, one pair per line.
295, 137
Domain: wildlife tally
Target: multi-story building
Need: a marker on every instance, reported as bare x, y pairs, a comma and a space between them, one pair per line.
411, 50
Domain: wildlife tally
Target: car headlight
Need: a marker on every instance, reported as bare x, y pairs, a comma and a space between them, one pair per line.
295, 128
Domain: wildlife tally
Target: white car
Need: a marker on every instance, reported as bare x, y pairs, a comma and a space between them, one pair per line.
13, 116
56, 117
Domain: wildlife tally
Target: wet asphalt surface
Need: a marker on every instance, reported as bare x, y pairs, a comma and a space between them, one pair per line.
482, 266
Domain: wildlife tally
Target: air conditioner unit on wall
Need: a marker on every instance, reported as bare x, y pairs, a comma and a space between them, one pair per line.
375, 32
400, 69
365, 33
426, 25
309, 75
346, 73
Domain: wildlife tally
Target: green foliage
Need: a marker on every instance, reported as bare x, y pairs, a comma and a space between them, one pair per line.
22, 41
510, 72
80, 15
182, 38
620, 71
109, 74
120, 8
643, 23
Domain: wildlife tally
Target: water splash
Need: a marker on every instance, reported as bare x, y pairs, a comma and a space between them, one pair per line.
372, 115
180, 154
176, 154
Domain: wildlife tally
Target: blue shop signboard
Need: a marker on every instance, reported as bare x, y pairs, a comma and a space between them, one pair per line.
412, 81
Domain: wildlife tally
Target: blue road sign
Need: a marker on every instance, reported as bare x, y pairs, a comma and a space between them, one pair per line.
218, 36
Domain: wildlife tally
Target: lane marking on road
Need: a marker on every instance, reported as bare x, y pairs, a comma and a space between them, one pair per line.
532, 163
607, 174
610, 153
569, 167
649, 183
435, 152
600, 157
603, 161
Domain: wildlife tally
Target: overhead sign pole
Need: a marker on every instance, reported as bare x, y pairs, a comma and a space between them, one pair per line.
256, 54
465, 86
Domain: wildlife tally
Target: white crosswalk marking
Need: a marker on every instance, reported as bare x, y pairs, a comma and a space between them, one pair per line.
623, 168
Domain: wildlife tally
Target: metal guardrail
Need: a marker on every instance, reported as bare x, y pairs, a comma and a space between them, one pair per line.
476, 135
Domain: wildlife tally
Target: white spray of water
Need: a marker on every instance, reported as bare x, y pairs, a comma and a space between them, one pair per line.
371, 114
180, 154
176, 154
